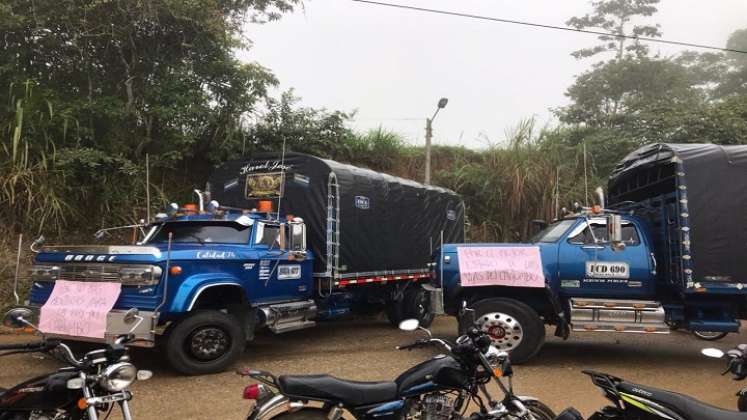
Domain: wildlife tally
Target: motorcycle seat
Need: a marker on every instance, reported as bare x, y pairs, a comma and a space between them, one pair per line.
682, 404
329, 388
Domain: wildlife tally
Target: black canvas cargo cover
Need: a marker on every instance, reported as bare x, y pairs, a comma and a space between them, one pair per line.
711, 185
386, 223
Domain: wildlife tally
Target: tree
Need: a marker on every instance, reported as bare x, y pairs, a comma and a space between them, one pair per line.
613, 92
88, 88
616, 16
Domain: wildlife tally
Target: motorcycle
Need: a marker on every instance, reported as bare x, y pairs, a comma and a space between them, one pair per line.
639, 402
82, 390
737, 366
438, 389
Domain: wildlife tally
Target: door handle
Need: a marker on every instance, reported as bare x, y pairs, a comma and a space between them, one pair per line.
592, 247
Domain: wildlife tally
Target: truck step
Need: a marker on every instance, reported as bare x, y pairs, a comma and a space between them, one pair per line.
289, 316
617, 315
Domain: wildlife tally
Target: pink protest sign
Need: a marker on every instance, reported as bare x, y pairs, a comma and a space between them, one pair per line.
501, 266
78, 309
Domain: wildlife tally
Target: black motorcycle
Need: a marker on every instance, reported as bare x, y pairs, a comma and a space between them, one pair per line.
639, 402
82, 390
441, 388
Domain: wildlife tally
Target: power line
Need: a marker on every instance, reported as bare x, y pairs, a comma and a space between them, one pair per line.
540, 25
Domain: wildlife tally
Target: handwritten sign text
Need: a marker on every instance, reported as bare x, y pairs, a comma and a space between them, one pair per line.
501, 266
78, 309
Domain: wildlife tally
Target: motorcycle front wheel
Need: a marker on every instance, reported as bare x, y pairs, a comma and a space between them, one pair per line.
539, 410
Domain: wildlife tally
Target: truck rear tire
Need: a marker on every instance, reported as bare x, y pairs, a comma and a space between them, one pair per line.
205, 342
514, 327
393, 310
417, 304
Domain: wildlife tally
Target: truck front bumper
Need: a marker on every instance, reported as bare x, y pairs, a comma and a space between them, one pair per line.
144, 330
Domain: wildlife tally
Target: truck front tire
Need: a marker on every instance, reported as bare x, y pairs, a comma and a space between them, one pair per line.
512, 325
205, 342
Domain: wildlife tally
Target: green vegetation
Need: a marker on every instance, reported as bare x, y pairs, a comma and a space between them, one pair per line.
87, 90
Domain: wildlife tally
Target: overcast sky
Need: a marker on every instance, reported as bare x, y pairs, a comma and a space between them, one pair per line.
392, 65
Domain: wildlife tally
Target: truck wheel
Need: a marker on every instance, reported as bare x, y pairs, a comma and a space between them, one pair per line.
394, 312
512, 325
710, 335
205, 342
417, 304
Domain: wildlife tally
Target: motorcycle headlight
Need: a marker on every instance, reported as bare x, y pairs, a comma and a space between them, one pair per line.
495, 357
118, 377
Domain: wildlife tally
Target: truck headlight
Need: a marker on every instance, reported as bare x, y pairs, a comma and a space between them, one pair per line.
118, 377
140, 275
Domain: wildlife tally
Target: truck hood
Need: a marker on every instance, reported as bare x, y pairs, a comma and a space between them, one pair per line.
143, 254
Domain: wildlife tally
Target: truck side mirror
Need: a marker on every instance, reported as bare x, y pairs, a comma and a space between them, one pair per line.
614, 231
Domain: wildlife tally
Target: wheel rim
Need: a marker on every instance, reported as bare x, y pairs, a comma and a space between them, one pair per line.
208, 343
504, 330
709, 335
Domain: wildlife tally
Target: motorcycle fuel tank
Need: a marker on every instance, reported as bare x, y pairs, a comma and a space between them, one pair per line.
42, 393
437, 373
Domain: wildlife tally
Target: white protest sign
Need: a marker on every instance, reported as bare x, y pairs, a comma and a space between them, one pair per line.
501, 266
78, 309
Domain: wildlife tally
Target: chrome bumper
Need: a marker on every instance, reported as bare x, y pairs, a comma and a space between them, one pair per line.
144, 331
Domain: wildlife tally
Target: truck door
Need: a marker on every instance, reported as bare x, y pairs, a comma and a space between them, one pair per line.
589, 267
281, 274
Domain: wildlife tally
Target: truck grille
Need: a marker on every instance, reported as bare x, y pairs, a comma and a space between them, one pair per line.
127, 274
89, 273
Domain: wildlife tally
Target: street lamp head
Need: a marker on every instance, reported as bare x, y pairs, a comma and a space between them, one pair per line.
442, 102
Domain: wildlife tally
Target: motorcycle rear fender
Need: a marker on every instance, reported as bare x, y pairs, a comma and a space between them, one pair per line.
281, 404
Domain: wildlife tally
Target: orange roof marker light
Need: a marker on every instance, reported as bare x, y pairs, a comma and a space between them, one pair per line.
596, 209
190, 208
264, 206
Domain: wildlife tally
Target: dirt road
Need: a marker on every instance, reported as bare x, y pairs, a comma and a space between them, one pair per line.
364, 350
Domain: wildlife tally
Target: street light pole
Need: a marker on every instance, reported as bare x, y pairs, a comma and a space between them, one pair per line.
429, 137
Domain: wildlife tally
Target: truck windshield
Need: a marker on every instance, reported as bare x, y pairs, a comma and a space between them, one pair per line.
220, 233
553, 232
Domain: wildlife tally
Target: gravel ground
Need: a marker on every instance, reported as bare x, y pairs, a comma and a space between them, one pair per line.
364, 350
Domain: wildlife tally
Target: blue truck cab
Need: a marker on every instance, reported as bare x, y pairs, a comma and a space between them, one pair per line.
210, 268
664, 253
276, 243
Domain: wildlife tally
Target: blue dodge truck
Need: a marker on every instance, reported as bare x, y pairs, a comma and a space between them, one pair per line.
277, 241
668, 251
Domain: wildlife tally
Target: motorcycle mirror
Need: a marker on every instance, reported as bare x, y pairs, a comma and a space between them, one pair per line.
18, 318
409, 325
711, 352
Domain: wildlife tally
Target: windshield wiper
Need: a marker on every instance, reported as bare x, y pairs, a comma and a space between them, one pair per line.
198, 239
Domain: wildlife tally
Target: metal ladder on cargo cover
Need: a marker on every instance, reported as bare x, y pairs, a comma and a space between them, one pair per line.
333, 236
617, 315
